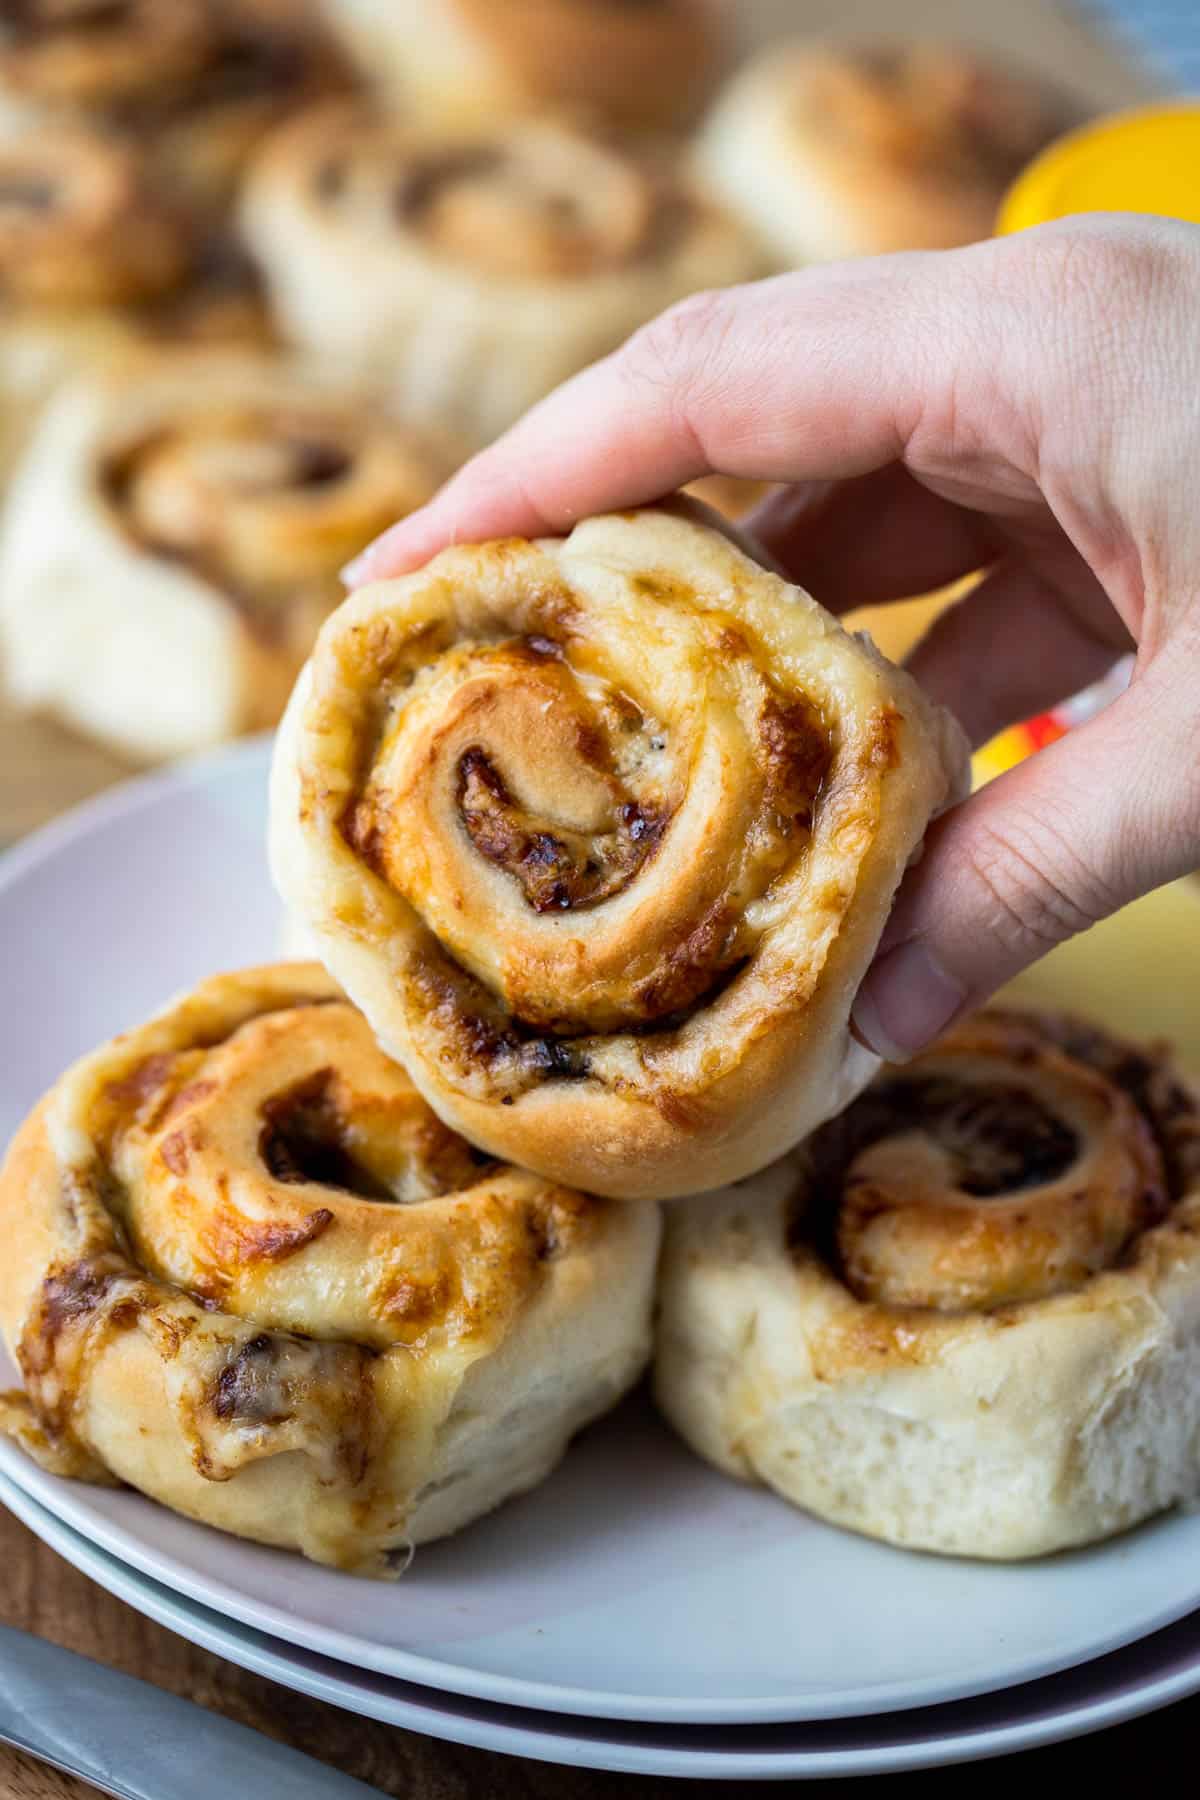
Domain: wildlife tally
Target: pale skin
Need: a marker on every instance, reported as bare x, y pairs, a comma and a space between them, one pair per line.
1030, 406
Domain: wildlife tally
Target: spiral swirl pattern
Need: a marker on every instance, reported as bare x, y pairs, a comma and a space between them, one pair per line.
81, 225
208, 500
93, 54
842, 150
251, 1273
267, 501
600, 835
469, 241
993, 1170
975, 1298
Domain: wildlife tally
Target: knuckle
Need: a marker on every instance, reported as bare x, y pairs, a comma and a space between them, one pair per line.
1108, 280
677, 348
1034, 889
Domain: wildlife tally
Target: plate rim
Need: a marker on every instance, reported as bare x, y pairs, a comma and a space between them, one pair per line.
265, 1656
247, 760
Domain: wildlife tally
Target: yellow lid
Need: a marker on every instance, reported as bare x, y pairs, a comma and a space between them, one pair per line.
1146, 161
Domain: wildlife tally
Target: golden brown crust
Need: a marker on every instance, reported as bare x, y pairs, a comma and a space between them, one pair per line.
993, 1170
1048, 1156
194, 84
249, 1202
852, 150
598, 833
265, 501
204, 492
525, 206
82, 225
651, 63
469, 240
91, 54
262, 69
933, 110
965, 1316
646, 66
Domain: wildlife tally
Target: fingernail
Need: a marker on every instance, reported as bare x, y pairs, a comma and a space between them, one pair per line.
355, 571
365, 565
906, 1001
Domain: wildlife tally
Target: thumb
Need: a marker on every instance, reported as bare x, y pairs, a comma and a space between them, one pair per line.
1039, 854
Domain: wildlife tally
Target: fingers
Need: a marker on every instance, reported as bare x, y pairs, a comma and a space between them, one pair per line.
1016, 645
1037, 855
819, 374
882, 536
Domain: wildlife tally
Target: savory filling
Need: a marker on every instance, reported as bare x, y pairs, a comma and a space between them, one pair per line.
306, 1138
947, 1190
232, 495
27, 193
998, 1140
557, 869
101, 53
567, 858
537, 203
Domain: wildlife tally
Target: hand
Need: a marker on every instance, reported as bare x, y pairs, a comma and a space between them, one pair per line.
1027, 405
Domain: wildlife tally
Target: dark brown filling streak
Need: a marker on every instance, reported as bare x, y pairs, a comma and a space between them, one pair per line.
34, 194
241, 70
1001, 1140
220, 274
26, 21
78, 1293
314, 464
416, 190
559, 871
305, 1139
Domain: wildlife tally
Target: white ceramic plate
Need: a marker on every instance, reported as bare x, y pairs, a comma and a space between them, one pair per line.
1151, 1674
636, 1583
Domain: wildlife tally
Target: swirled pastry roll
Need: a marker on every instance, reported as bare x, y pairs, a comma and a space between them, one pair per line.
195, 83
601, 834
248, 1272
173, 537
646, 65
95, 255
497, 261
835, 151
965, 1316
90, 56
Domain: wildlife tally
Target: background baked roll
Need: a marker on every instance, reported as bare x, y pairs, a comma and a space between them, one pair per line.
93, 56
194, 83
173, 539
601, 834
497, 261
648, 65
97, 253
965, 1316
248, 1272
267, 62
84, 237
836, 150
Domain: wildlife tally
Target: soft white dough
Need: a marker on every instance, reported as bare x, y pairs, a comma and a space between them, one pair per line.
1015, 1435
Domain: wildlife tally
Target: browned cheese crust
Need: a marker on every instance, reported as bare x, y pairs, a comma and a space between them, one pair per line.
250, 1272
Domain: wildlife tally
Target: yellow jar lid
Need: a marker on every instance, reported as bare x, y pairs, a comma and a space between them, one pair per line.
1146, 161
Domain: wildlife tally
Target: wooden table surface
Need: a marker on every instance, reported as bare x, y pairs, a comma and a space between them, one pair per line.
42, 771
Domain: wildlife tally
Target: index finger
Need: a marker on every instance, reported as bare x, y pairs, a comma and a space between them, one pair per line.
821, 374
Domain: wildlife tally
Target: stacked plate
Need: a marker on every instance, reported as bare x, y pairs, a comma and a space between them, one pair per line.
638, 1612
